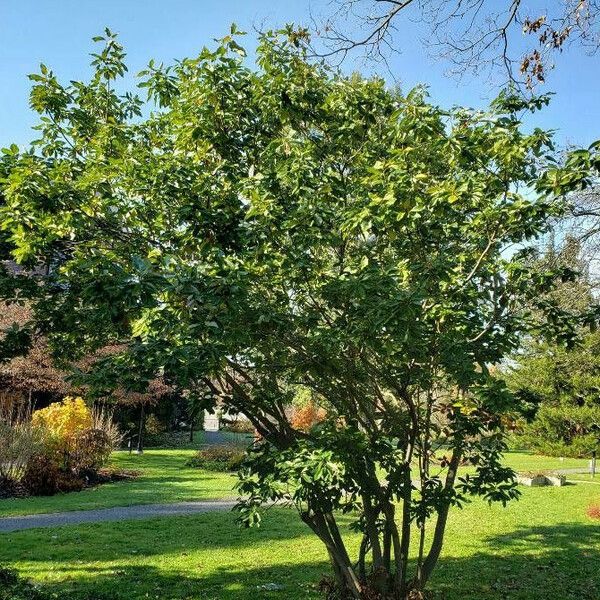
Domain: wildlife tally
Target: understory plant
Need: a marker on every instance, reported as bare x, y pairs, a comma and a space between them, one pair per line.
56, 449
13, 587
76, 439
260, 229
218, 458
19, 442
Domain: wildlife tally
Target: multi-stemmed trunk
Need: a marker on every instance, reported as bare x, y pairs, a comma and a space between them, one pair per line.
388, 546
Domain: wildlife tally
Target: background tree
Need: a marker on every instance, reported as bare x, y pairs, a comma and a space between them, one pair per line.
516, 39
580, 224
37, 378
559, 387
560, 391
285, 225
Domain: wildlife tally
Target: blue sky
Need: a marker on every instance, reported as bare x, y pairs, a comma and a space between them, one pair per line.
59, 33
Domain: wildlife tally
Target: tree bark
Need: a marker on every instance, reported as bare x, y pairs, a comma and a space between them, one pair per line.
371, 527
323, 524
401, 553
362, 555
140, 440
440, 525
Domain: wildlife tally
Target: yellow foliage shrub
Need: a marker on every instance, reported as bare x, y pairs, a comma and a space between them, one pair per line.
62, 421
75, 442
75, 438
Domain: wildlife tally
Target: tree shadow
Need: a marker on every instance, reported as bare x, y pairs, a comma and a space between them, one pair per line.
542, 562
110, 542
202, 556
206, 557
283, 582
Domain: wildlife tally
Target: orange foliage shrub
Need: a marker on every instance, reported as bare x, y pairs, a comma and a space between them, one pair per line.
307, 416
593, 511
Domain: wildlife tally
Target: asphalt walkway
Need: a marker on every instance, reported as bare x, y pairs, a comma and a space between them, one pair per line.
118, 513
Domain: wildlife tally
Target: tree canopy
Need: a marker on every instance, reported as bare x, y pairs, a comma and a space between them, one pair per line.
252, 230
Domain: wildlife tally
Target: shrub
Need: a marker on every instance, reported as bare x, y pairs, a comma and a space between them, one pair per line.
307, 416
12, 587
69, 482
102, 420
153, 426
238, 426
78, 440
62, 420
218, 458
91, 448
168, 439
41, 476
19, 442
60, 449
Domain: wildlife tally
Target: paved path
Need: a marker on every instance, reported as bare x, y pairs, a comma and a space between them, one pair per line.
580, 471
119, 513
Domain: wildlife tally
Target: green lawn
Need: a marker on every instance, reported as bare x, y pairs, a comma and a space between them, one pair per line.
541, 547
165, 478
524, 461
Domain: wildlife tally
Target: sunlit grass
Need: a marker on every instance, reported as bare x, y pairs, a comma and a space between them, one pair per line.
164, 478
540, 547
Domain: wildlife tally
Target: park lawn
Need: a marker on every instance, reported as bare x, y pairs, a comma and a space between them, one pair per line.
164, 478
525, 461
540, 547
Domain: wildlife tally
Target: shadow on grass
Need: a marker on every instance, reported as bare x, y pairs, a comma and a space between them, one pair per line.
205, 557
284, 582
556, 562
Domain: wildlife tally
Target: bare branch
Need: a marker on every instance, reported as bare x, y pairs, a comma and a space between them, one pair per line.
474, 36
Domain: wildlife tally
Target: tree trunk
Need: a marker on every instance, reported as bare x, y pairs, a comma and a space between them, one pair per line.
401, 553
362, 555
191, 429
323, 524
440, 525
140, 441
371, 528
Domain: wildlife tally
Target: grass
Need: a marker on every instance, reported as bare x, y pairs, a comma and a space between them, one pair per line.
164, 478
525, 461
541, 547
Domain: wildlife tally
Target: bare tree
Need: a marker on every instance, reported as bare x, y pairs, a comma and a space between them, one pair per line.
582, 224
475, 36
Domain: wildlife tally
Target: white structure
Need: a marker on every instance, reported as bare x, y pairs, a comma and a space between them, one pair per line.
212, 421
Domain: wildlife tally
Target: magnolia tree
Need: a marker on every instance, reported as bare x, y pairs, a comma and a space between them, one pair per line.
264, 230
